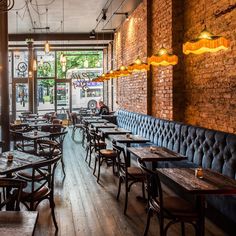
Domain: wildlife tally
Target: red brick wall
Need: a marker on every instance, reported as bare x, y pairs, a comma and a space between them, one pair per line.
210, 79
131, 40
201, 89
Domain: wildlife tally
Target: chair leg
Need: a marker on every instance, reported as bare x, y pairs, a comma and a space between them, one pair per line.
149, 213
126, 196
119, 187
99, 167
95, 165
53, 215
87, 152
143, 190
63, 166
182, 229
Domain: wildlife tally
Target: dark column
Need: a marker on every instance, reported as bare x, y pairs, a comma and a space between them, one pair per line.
31, 74
4, 80
178, 70
149, 53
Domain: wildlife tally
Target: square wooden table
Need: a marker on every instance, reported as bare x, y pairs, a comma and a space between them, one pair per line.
102, 125
18, 223
211, 183
128, 141
100, 120
35, 135
108, 131
154, 154
21, 160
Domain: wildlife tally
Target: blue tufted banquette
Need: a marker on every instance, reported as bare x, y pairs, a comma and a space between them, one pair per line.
202, 147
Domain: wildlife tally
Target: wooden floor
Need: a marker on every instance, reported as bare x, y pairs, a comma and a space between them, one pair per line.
86, 208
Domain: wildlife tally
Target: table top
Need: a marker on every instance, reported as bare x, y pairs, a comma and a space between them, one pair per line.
17, 223
91, 117
107, 131
95, 120
33, 135
211, 183
21, 160
102, 125
155, 153
131, 139
35, 119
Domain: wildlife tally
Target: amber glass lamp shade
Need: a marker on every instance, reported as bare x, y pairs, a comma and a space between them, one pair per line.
138, 65
123, 71
206, 42
163, 58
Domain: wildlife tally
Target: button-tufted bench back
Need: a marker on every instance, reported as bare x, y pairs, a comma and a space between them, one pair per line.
160, 132
210, 149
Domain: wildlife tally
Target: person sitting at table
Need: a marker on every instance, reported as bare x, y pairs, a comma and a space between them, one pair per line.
103, 109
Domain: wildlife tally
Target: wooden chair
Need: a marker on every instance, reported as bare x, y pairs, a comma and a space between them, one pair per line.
128, 174
40, 186
10, 193
102, 154
92, 144
57, 121
58, 138
173, 208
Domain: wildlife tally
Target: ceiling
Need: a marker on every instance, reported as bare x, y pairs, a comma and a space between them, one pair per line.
68, 16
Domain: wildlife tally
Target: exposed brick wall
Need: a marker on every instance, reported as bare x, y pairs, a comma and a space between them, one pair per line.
210, 79
201, 89
131, 40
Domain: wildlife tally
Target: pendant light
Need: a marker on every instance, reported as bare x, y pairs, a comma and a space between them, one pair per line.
205, 42
163, 58
138, 66
47, 45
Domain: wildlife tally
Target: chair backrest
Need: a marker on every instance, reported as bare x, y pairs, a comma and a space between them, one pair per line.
122, 159
57, 122
154, 187
47, 148
10, 193
59, 137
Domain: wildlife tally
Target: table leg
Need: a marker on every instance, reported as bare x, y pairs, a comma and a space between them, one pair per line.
128, 155
201, 208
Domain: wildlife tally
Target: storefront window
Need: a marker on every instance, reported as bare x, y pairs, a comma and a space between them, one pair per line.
45, 64
20, 61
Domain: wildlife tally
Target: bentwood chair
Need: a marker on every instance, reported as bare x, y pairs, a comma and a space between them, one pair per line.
102, 154
40, 186
94, 143
172, 208
10, 193
128, 174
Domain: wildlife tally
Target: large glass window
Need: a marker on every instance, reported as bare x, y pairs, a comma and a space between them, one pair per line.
20, 62
45, 64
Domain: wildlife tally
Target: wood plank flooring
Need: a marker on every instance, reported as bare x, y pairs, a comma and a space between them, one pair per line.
85, 208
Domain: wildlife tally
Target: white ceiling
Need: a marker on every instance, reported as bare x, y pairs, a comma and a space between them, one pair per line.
80, 16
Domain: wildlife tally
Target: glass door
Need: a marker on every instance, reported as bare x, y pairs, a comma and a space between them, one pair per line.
63, 96
20, 99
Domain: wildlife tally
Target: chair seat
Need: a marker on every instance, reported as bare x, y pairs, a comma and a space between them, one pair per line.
135, 171
175, 207
108, 153
47, 152
27, 174
27, 195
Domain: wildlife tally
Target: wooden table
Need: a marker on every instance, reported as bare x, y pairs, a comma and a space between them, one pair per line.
100, 120
154, 154
128, 141
35, 135
36, 119
211, 183
102, 125
18, 223
21, 160
108, 131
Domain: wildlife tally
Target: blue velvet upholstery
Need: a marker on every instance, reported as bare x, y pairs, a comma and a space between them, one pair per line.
202, 147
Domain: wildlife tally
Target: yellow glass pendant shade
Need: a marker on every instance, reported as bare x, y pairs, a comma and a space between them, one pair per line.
123, 71
206, 42
163, 58
138, 65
